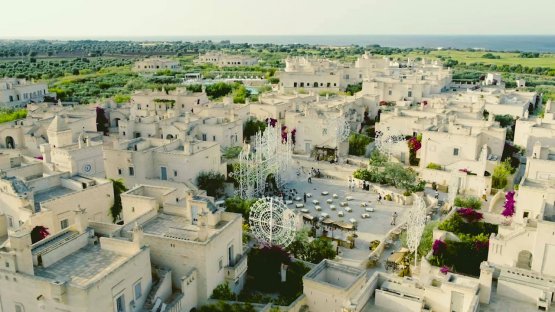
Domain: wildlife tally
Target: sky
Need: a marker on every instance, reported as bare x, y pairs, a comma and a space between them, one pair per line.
139, 18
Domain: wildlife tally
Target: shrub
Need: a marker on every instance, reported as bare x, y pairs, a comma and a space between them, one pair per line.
434, 166
500, 175
358, 143
388, 197
195, 87
212, 182
39, 233
470, 215
11, 114
468, 202
223, 292
362, 174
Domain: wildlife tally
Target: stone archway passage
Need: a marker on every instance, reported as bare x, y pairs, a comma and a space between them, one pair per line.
10, 142
524, 260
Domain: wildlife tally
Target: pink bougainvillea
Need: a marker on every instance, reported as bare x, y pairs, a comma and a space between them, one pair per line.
414, 144
272, 122
445, 269
283, 134
509, 205
438, 247
464, 170
470, 215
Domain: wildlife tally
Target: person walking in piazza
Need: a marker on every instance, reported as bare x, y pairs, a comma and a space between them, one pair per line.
310, 177
394, 218
485, 195
380, 198
304, 197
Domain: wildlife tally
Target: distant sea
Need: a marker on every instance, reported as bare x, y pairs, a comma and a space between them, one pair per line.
527, 43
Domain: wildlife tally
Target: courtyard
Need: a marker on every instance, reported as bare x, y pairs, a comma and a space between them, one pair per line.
368, 229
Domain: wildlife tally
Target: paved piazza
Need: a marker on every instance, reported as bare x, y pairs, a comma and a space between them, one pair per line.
369, 229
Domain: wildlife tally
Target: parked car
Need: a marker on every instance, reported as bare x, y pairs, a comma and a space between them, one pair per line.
348, 209
324, 215
365, 215
340, 214
318, 208
332, 207
369, 209
353, 220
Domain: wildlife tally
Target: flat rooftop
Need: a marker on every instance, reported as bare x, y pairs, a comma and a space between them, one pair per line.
51, 193
335, 274
85, 266
176, 227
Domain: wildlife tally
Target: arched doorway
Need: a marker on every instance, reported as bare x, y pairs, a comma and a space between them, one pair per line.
116, 122
524, 260
316, 85
10, 142
169, 137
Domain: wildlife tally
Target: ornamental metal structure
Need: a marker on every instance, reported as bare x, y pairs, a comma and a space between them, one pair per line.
415, 225
388, 139
271, 222
269, 155
342, 130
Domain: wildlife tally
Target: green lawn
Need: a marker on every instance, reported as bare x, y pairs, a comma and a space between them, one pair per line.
545, 60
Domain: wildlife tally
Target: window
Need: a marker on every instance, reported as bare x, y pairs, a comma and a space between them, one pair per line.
19, 307
525, 215
455, 152
119, 171
213, 138
220, 264
175, 173
138, 290
294, 84
324, 131
120, 304
204, 136
131, 171
230, 255
10, 222
64, 223
390, 92
410, 94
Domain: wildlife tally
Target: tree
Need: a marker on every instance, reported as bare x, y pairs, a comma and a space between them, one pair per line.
358, 143
312, 251
212, 182
119, 188
253, 126
237, 204
218, 89
353, 88
101, 120
501, 173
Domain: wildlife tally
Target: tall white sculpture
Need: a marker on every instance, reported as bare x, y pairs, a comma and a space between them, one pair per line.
342, 130
387, 140
415, 225
272, 222
269, 154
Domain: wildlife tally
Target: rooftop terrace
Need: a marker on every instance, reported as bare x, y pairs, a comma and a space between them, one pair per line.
83, 267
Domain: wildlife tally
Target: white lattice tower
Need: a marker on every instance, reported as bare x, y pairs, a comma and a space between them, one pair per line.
272, 222
268, 155
388, 139
342, 130
415, 225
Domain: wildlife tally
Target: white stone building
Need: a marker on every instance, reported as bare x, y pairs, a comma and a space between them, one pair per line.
189, 235
530, 130
147, 159
19, 92
155, 64
227, 60
72, 270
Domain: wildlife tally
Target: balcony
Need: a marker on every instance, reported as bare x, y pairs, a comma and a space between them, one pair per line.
238, 268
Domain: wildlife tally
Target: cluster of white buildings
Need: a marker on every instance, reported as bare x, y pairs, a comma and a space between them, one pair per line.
170, 245
226, 60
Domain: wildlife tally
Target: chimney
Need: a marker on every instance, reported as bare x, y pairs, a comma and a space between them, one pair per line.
138, 236
81, 221
20, 242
